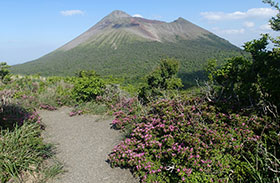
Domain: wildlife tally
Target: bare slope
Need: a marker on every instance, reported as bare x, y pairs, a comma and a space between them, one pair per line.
148, 30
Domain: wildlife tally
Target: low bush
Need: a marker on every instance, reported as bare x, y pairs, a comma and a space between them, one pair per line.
22, 150
126, 112
36, 92
188, 140
87, 86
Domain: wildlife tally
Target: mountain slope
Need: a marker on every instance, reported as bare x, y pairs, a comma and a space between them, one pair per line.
125, 46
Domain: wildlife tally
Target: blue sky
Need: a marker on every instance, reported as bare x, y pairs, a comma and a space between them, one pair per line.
31, 28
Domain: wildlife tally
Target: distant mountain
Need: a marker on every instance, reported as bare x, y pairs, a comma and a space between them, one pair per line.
130, 47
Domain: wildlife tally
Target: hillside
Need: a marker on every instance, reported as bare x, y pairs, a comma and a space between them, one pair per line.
129, 47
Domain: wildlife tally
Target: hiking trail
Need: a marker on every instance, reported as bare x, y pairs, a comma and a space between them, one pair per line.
83, 144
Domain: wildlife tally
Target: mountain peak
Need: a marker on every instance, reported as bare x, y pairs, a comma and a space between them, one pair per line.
117, 14
126, 46
181, 20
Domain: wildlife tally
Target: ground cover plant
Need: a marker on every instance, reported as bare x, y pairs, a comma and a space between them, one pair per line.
23, 154
22, 150
85, 92
186, 140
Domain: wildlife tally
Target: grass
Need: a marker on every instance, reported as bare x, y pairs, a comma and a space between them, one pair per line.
24, 156
22, 152
52, 171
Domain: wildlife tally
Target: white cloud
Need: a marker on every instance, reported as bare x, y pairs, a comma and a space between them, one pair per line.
249, 24
72, 12
261, 12
229, 31
212, 15
251, 13
233, 31
138, 15
265, 27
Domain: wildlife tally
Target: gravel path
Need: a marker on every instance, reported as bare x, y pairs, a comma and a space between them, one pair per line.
83, 143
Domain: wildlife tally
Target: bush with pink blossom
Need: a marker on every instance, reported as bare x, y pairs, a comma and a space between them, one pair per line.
186, 140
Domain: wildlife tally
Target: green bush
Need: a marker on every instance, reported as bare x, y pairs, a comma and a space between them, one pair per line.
4, 72
252, 83
250, 86
244, 83
161, 79
34, 91
87, 86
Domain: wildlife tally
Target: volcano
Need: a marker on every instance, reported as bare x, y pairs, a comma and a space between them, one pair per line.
124, 46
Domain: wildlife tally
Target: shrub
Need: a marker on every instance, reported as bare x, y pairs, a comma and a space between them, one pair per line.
4, 72
162, 78
249, 87
87, 86
185, 140
125, 112
34, 91
111, 95
252, 83
22, 150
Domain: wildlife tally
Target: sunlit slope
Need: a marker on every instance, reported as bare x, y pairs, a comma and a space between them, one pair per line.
125, 46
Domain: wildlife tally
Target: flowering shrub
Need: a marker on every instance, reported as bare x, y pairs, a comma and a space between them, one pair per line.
185, 141
48, 107
125, 112
12, 114
111, 95
74, 113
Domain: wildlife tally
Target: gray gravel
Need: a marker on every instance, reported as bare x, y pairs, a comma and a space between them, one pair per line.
83, 144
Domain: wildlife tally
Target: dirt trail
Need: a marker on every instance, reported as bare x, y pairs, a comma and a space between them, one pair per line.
83, 143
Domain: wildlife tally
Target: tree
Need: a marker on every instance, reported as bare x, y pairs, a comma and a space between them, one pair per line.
252, 86
274, 21
252, 82
4, 70
161, 79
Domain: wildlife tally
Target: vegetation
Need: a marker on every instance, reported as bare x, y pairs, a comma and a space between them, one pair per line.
251, 84
192, 139
4, 72
160, 80
186, 140
227, 133
22, 150
132, 61
88, 86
